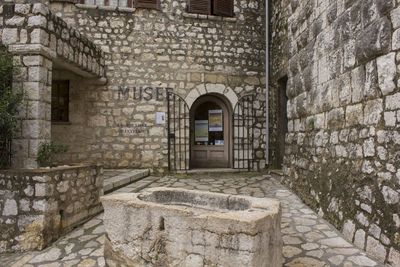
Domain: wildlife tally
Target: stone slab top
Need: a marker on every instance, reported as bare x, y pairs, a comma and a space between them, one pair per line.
50, 170
209, 209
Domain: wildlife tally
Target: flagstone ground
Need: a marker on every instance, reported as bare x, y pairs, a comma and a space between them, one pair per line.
308, 240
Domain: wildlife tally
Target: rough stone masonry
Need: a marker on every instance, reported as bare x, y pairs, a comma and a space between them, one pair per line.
180, 227
147, 53
342, 151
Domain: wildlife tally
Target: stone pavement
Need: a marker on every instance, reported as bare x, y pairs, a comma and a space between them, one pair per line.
309, 241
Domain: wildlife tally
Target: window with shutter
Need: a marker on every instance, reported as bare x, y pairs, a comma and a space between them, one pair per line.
199, 6
223, 8
148, 4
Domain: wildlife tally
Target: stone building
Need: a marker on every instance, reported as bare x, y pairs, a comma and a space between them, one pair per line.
172, 85
338, 61
168, 72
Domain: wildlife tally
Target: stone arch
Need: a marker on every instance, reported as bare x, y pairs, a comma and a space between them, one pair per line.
212, 88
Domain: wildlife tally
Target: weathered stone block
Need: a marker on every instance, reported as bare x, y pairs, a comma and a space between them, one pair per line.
191, 227
39, 21
374, 41
10, 207
386, 73
373, 112
394, 257
396, 40
22, 9
376, 248
393, 102
15, 21
357, 84
371, 80
354, 115
390, 195
10, 36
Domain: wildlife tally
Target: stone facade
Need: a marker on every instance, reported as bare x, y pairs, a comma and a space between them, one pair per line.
147, 53
343, 110
38, 206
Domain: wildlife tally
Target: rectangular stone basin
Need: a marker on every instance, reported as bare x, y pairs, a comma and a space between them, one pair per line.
179, 227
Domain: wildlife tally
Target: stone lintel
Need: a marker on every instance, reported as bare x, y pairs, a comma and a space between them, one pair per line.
38, 49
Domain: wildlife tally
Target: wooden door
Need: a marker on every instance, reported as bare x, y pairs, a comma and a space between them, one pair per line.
210, 133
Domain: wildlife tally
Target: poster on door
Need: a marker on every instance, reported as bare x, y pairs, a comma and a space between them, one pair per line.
215, 119
201, 130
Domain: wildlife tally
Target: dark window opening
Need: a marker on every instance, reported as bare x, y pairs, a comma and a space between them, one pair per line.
153, 4
211, 7
282, 120
60, 101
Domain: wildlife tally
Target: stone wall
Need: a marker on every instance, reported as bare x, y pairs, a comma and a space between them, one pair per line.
342, 154
155, 50
279, 57
38, 206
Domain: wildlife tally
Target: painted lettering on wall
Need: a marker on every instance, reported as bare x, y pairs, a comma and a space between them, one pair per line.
131, 129
143, 93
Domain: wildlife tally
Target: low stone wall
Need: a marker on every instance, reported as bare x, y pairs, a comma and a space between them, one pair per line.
38, 206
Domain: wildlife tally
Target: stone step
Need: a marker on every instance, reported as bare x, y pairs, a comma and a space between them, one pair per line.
116, 179
211, 170
137, 186
276, 171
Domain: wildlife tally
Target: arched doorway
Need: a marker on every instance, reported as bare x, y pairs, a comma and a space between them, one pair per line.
211, 132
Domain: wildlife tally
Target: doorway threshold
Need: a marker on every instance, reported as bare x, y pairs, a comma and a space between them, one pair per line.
212, 170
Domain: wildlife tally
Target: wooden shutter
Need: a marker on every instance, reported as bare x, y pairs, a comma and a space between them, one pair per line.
199, 6
148, 4
223, 8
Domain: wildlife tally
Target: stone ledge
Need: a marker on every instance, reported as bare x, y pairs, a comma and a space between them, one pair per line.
32, 49
67, 1
209, 17
50, 170
107, 8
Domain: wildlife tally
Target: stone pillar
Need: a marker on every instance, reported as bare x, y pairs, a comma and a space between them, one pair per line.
23, 31
35, 82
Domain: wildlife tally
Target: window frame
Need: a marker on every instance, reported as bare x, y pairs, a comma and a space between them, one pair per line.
210, 9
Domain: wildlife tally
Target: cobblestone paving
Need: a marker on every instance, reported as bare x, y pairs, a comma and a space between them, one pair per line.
309, 241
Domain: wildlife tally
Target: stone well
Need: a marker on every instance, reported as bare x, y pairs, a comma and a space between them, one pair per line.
179, 227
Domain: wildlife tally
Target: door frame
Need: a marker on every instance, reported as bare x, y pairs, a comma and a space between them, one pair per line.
225, 105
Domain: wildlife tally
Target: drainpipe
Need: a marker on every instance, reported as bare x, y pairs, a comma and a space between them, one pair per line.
267, 82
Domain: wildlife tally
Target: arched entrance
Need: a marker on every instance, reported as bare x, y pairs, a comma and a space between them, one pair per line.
211, 132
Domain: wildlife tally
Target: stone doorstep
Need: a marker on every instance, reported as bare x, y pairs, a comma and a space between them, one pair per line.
216, 170
276, 172
137, 186
120, 180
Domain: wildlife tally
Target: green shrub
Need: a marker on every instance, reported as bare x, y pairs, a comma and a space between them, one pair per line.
47, 152
9, 101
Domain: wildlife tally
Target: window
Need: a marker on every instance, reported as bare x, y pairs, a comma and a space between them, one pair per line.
60, 101
211, 7
154, 4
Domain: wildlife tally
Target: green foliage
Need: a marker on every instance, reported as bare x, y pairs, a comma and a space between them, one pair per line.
9, 103
47, 152
9, 100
